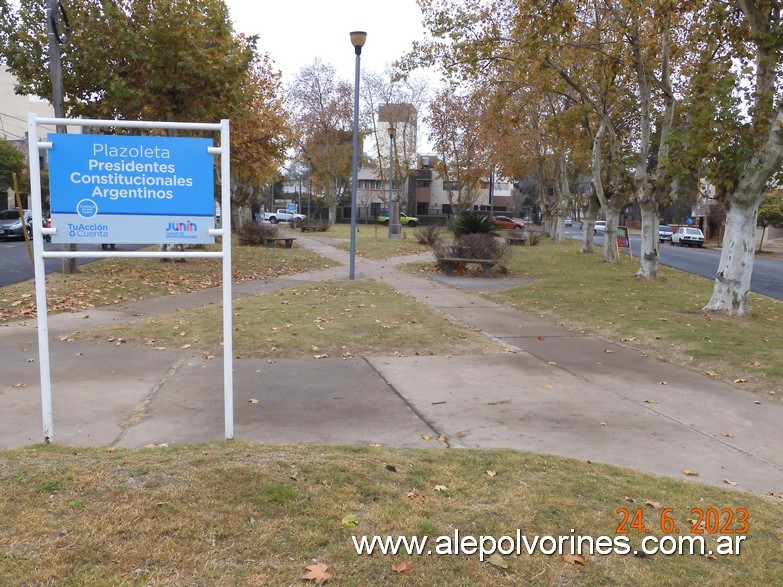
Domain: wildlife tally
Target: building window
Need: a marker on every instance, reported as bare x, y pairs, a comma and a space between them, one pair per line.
446, 209
370, 184
424, 183
450, 186
375, 208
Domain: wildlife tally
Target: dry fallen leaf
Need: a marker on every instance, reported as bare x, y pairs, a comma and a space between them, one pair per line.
662, 383
318, 574
427, 436
548, 386
653, 504
740, 380
441, 488
350, 520
710, 555
728, 481
727, 434
491, 473
574, 559
711, 373
497, 561
402, 567
650, 401
628, 498
608, 351
691, 473
755, 364
252, 400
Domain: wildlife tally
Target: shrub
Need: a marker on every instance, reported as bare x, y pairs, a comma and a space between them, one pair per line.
533, 238
256, 234
428, 235
473, 246
469, 223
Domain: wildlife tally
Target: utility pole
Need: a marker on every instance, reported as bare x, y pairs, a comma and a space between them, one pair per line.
58, 29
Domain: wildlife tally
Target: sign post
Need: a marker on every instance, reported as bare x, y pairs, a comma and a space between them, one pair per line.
623, 240
131, 189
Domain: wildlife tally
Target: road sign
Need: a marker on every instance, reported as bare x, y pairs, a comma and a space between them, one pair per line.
131, 189
622, 237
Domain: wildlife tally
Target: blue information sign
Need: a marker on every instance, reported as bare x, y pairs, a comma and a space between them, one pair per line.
131, 189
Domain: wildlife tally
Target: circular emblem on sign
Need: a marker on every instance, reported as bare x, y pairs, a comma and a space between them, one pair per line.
86, 208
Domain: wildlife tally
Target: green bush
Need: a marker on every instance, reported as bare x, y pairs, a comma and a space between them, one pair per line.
469, 223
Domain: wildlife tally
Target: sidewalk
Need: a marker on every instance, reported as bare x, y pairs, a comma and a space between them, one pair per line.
556, 391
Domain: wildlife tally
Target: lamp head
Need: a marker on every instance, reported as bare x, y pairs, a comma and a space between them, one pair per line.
358, 38
392, 132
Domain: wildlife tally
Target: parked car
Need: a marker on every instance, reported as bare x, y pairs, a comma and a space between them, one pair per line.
600, 227
664, 233
569, 221
282, 215
11, 224
411, 221
505, 222
688, 235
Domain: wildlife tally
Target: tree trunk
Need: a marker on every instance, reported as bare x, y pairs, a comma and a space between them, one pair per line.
761, 240
649, 255
241, 216
732, 282
590, 213
610, 240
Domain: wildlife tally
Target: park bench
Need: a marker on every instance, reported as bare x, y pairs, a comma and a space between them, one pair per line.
271, 242
449, 263
516, 240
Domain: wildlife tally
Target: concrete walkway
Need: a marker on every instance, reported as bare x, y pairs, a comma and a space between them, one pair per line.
556, 391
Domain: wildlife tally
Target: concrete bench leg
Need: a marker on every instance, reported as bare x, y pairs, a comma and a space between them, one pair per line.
487, 269
270, 244
289, 244
447, 267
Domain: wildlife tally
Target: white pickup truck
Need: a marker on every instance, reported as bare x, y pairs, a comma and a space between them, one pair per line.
282, 215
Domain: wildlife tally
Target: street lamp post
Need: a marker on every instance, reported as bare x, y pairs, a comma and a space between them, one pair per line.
358, 38
491, 194
391, 176
310, 188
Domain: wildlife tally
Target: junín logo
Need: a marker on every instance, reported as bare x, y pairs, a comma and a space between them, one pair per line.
181, 227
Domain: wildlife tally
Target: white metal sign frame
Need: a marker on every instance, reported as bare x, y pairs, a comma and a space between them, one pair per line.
224, 152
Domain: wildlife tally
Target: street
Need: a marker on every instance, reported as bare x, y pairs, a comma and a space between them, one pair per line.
767, 274
16, 266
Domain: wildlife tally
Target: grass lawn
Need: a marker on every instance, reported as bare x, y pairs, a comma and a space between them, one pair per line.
372, 240
661, 317
239, 514
114, 281
327, 319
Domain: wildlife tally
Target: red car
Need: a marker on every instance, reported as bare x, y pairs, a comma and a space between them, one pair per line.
505, 222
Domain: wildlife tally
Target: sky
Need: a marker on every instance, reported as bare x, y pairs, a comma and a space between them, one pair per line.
296, 32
